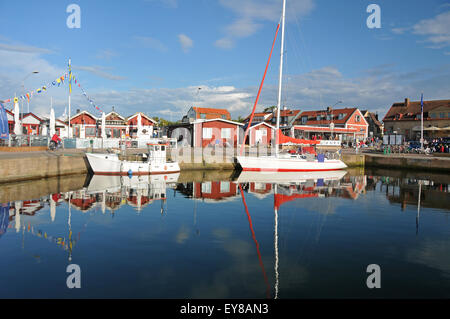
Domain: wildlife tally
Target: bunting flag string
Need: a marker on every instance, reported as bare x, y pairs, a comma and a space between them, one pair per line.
27, 96
77, 83
57, 82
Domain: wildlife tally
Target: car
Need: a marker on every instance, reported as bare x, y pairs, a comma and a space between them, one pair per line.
414, 145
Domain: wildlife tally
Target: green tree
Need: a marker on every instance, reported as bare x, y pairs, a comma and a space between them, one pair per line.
270, 108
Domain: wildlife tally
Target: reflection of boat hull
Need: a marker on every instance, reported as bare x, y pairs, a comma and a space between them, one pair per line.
114, 183
287, 164
288, 177
110, 164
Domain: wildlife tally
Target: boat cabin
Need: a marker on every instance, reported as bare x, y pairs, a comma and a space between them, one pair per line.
157, 152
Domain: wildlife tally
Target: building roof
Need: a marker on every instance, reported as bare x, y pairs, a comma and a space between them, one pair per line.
216, 119
83, 112
258, 114
374, 119
24, 115
408, 110
211, 113
112, 113
284, 113
143, 115
312, 116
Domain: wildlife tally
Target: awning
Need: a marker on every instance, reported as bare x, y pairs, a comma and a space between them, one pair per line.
325, 129
432, 128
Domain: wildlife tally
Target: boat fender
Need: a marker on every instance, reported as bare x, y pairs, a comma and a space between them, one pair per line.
130, 173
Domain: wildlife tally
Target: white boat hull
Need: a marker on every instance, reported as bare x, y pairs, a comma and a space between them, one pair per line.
289, 177
109, 164
114, 183
287, 164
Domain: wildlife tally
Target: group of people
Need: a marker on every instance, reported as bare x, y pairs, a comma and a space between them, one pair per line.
436, 145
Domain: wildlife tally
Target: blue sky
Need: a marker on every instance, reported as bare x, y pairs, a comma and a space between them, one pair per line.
153, 55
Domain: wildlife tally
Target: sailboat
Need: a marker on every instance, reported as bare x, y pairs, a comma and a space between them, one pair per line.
286, 162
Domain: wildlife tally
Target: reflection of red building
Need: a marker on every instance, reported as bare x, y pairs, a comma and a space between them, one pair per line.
353, 188
214, 190
31, 207
260, 189
83, 204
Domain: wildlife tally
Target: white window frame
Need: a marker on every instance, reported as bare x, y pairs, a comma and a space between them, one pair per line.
225, 132
224, 187
207, 132
206, 187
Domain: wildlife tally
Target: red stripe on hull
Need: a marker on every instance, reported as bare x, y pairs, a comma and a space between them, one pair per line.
134, 174
288, 170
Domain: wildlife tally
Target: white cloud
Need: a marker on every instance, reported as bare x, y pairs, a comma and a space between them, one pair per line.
185, 42
436, 30
251, 13
106, 54
151, 43
224, 43
23, 48
99, 71
399, 30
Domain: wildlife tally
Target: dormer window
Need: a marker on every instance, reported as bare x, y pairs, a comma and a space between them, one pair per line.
304, 119
340, 116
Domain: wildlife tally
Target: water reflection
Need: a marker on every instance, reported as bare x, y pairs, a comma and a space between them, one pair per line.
255, 194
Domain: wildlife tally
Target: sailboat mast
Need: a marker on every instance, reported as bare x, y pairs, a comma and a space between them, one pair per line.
281, 73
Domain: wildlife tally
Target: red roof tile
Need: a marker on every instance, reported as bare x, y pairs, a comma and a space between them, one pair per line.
408, 110
312, 116
211, 113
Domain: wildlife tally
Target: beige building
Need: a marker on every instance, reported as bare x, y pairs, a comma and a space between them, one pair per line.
404, 118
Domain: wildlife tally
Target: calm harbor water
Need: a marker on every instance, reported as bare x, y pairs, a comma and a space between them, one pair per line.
198, 237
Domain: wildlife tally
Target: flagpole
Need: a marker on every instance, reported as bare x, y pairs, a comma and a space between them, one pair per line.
70, 91
421, 122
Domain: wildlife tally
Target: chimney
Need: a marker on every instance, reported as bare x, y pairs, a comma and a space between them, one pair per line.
78, 111
406, 102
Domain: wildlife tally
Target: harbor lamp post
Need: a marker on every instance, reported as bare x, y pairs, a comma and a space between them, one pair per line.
332, 124
23, 92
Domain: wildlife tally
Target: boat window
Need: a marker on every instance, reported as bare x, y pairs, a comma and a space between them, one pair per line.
156, 148
163, 148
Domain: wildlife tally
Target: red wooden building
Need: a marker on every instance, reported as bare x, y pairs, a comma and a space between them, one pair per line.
346, 124
261, 134
216, 132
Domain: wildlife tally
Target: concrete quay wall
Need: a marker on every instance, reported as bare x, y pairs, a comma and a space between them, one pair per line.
16, 167
405, 162
29, 166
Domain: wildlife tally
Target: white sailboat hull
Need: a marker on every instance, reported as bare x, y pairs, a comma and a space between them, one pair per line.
289, 177
110, 164
287, 164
